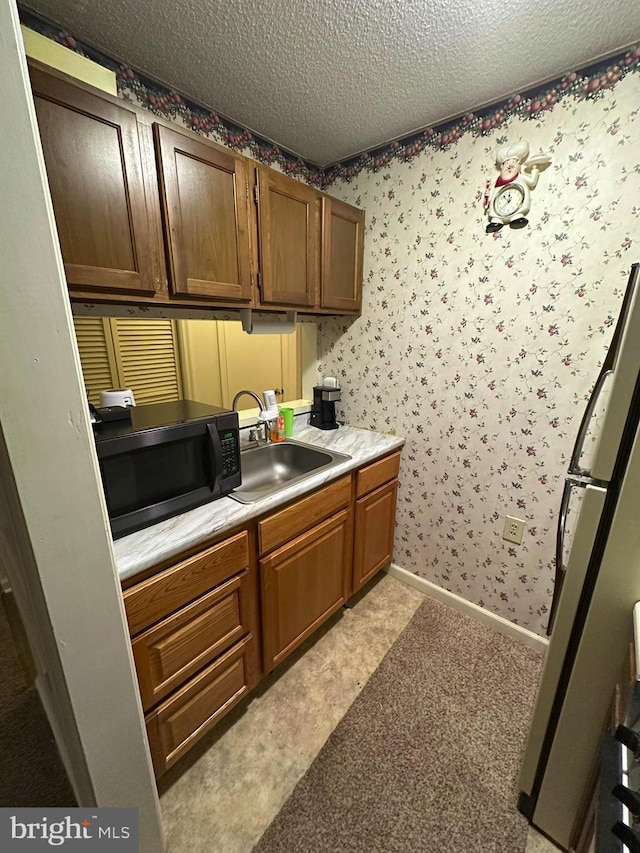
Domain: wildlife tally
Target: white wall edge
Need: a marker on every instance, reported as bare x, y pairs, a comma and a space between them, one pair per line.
492, 620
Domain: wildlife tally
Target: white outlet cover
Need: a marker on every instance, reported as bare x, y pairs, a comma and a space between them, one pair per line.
513, 530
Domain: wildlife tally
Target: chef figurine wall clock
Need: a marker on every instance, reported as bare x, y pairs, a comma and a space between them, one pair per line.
508, 200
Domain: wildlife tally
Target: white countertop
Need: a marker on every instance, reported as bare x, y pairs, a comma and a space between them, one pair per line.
157, 543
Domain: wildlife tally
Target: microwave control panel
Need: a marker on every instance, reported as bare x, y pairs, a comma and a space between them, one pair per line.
230, 453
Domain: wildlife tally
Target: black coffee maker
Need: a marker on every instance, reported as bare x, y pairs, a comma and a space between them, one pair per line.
323, 411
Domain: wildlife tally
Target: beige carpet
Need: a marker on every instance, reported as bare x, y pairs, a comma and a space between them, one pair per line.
426, 758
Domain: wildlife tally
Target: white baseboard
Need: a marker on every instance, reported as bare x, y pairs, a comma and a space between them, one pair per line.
498, 623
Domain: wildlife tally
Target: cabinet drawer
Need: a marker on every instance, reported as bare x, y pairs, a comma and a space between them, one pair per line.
294, 520
190, 713
172, 651
164, 593
377, 473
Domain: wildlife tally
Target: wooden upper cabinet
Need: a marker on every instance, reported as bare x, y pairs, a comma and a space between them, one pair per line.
92, 154
289, 238
205, 199
342, 253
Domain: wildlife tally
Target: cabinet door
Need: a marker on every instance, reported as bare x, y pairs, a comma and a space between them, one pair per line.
374, 528
289, 237
303, 584
205, 202
92, 153
342, 254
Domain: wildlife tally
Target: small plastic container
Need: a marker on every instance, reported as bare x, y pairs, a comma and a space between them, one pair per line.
277, 432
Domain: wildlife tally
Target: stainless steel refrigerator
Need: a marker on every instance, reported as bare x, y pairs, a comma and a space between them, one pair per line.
597, 583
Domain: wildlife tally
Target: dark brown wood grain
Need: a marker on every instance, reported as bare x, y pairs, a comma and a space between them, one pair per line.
205, 202
289, 240
92, 154
342, 255
107, 203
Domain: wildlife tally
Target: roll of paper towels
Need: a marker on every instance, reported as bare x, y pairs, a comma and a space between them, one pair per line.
262, 326
272, 327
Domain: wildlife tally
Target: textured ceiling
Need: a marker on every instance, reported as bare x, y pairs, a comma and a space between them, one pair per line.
329, 78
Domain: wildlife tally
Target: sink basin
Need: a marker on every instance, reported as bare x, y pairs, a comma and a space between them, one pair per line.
272, 467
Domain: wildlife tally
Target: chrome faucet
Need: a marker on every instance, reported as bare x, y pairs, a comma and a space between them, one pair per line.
254, 432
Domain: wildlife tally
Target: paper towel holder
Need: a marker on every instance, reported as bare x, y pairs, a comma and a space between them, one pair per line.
260, 326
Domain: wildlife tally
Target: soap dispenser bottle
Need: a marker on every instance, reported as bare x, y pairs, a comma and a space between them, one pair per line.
277, 432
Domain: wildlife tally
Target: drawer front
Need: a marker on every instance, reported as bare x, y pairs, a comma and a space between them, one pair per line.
172, 651
164, 593
294, 520
377, 473
190, 713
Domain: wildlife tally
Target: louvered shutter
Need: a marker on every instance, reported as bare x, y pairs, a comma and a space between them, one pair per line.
147, 359
96, 355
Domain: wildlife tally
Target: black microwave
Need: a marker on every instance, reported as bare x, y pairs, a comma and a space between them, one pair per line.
170, 458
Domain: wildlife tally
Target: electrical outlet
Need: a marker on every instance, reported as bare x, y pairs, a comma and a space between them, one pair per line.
513, 530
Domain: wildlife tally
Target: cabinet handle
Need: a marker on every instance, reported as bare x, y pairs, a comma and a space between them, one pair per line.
629, 798
629, 738
627, 836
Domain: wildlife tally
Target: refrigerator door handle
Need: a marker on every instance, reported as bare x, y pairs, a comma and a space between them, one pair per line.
560, 536
574, 465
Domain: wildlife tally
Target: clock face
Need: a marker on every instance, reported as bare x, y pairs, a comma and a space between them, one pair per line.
508, 199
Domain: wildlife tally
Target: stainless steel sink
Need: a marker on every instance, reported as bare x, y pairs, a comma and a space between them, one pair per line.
272, 467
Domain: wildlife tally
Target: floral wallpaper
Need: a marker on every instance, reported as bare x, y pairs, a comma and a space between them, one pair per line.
482, 349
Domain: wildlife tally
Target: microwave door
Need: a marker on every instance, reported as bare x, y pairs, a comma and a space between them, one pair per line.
215, 459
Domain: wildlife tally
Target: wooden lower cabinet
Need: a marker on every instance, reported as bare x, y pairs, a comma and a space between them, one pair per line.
176, 648
303, 584
177, 724
197, 641
374, 529
195, 630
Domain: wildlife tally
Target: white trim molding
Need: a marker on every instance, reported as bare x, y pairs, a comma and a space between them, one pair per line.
498, 623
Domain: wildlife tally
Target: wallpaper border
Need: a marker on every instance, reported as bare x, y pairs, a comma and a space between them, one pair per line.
170, 104
587, 83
